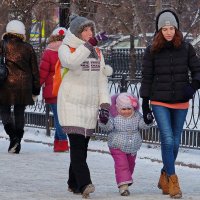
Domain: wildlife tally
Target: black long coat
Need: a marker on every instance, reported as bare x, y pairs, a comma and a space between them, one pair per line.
23, 78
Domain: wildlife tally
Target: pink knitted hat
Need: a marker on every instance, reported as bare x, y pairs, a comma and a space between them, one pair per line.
126, 100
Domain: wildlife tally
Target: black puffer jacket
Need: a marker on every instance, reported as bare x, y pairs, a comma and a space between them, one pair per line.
165, 74
23, 78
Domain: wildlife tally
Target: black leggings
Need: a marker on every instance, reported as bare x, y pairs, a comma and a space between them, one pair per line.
6, 116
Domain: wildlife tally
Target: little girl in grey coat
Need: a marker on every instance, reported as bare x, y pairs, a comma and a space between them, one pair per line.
124, 138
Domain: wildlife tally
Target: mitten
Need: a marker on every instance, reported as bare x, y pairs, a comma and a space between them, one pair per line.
190, 89
147, 113
34, 97
103, 115
99, 37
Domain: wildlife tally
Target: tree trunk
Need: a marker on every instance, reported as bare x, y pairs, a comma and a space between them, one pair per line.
132, 58
64, 13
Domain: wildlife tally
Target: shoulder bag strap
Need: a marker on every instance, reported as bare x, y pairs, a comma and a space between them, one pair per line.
3, 48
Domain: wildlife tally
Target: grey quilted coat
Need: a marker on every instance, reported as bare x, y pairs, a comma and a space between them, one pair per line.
124, 132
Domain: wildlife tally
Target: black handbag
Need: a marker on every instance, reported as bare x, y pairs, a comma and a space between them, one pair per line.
3, 67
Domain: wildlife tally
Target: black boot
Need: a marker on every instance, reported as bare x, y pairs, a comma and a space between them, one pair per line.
19, 133
14, 141
14, 146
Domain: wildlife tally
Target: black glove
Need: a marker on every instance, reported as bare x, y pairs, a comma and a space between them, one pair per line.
147, 113
103, 115
190, 89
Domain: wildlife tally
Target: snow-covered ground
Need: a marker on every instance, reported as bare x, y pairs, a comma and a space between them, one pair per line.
38, 173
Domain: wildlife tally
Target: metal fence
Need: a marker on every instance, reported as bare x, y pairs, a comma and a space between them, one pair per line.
119, 60
40, 116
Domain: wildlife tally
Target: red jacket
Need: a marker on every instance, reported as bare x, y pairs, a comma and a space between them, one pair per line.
47, 71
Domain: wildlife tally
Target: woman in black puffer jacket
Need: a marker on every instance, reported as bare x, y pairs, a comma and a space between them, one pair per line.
166, 83
22, 84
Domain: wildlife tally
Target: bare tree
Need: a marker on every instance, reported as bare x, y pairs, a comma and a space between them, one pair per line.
4, 16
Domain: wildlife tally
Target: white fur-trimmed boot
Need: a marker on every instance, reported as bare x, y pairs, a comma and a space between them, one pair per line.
123, 190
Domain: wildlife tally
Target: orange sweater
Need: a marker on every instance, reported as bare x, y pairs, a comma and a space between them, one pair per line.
184, 105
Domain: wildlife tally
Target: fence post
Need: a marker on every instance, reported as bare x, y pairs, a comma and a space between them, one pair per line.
64, 8
47, 120
123, 83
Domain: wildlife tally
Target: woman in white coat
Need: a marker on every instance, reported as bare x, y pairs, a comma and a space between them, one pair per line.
84, 89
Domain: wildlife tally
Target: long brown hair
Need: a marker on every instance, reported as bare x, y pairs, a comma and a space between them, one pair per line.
159, 40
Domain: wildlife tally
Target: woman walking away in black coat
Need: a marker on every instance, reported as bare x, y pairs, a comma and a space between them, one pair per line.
22, 84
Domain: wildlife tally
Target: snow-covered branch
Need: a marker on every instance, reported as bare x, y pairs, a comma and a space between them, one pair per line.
104, 3
196, 18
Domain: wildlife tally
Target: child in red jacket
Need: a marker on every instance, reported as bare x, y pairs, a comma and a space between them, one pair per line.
47, 71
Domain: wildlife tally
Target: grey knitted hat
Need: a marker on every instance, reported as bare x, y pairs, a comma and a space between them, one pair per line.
78, 23
167, 19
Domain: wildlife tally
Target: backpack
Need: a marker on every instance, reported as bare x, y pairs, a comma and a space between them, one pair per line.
59, 74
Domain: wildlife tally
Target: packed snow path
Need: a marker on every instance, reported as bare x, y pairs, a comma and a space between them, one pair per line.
39, 174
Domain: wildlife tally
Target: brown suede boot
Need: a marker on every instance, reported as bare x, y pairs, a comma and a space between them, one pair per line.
163, 183
174, 188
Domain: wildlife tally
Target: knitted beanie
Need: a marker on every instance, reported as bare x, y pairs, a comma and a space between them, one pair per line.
166, 18
78, 23
15, 26
58, 34
59, 31
126, 100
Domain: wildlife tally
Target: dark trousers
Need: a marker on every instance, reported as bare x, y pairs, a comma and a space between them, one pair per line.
79, 174
18, 122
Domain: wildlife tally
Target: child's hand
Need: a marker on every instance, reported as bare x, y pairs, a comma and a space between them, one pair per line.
103, 115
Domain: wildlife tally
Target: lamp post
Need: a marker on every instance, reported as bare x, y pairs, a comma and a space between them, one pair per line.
64, 6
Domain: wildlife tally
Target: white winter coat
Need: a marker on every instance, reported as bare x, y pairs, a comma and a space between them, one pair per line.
83, 89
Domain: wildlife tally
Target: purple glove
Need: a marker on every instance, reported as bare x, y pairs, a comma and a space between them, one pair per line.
99, 37
103, 116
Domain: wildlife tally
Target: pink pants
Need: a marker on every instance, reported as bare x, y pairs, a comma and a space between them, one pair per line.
124, 166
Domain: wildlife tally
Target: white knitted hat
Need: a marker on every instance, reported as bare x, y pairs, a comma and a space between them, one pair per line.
59, 31
15, 26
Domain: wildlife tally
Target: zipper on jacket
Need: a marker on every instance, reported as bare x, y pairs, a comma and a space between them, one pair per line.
172, 74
